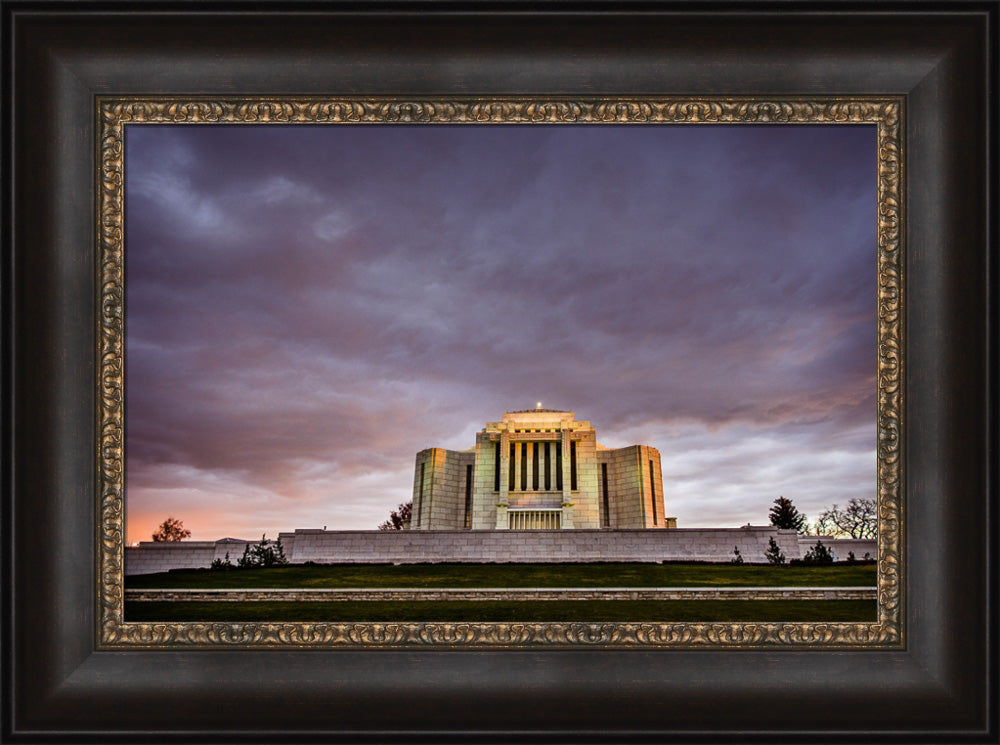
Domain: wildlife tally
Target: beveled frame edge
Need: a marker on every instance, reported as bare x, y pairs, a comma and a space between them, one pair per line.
113, 113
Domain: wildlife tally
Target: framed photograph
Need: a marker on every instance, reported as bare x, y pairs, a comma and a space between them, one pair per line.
112, 91
441, 225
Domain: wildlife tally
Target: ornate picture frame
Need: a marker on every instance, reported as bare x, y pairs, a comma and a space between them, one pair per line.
72, 669
885, 113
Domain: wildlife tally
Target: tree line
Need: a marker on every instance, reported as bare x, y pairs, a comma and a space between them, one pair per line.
858, 519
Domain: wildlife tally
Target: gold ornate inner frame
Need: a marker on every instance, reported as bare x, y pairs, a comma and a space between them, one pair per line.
113, 114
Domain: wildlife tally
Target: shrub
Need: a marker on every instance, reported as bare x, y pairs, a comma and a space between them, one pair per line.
773, 553
222, 563
737, 556
818, 554
263, 554
850, 557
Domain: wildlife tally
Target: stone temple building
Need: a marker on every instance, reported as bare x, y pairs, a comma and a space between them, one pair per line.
538, 469
536, 487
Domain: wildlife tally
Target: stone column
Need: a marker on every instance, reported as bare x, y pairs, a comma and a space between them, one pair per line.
642, 489
502, 523
530, 454
517, 465
567, 492
502, 501
545, 464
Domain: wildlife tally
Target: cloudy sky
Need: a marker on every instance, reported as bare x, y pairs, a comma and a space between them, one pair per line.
309, 306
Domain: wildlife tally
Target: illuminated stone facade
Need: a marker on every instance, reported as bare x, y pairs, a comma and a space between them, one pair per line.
538, 469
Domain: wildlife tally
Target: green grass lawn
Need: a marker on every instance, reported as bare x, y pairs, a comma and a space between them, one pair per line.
514, 575
556, 610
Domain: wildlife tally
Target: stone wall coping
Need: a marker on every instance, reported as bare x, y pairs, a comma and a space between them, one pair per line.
514, 594
575, 531
375, 590
643, 545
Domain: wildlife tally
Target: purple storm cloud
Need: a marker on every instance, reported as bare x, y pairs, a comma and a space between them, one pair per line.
309, 306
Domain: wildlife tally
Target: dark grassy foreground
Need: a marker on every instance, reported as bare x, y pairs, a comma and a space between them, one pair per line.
556, 610
346, 576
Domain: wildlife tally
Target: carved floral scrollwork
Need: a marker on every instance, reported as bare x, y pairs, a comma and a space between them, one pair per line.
886, 114
506, 635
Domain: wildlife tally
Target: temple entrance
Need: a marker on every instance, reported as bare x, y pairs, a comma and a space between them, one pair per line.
534, 519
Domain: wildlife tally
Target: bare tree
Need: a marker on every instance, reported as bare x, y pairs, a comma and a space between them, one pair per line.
171, 530
859, 519
824, 524
398, 517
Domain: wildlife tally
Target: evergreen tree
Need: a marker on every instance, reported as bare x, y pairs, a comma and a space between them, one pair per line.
263, 554
773, 553
247, 560
785, 517
818, 554
279, 553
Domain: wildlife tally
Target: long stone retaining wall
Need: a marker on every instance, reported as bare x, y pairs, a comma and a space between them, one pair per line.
496, 546
512, 594
862, 548
151, 557
413, 546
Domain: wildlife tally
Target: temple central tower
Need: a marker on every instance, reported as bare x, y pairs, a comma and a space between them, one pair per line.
538, 469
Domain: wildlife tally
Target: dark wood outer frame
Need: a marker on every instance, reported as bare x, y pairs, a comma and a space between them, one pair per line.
115, 114
941, 57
